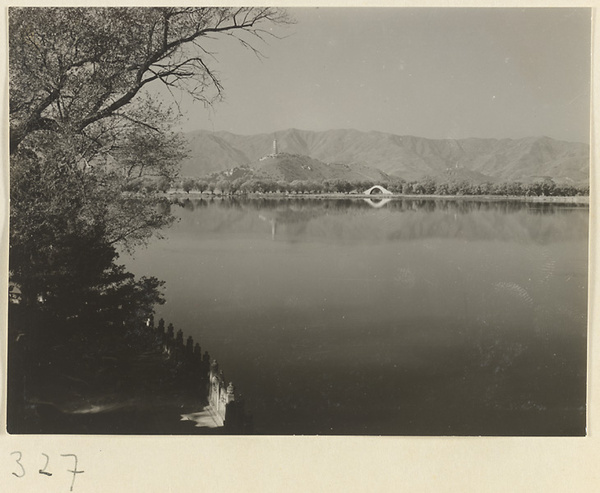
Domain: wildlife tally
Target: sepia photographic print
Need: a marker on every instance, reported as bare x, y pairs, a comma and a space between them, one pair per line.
298, 221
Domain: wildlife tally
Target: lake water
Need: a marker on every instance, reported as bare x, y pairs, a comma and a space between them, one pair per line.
417, 317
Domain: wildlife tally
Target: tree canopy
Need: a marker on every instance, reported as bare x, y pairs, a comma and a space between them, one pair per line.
91, 149
83, 126
74, 68
85, 129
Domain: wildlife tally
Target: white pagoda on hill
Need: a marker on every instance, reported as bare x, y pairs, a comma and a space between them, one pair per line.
274, 153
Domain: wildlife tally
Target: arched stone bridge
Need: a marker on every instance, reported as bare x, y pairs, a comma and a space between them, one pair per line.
380, 190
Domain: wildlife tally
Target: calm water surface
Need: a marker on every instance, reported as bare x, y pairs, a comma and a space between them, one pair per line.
419, 317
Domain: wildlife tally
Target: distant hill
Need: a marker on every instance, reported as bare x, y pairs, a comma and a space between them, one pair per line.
407, 157
210, 154
290, 167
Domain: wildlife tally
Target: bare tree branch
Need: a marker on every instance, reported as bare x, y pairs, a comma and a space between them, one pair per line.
121, 56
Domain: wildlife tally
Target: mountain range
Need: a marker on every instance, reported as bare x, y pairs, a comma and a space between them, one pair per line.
354, 155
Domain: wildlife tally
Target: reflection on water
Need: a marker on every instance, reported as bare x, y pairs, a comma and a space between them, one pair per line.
377, 203
418, 317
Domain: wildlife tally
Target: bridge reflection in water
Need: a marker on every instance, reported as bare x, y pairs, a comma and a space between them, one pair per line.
377, 203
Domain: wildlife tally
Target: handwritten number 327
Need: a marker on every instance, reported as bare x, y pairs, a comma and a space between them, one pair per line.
20, 472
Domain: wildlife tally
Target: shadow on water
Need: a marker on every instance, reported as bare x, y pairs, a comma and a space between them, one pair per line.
493, 388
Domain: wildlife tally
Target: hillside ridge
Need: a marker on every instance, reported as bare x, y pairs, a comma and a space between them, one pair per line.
403, 156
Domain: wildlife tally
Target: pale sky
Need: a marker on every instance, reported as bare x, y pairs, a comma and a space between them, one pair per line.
437, 73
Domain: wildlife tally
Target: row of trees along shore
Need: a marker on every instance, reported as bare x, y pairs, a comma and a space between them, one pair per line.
426, 186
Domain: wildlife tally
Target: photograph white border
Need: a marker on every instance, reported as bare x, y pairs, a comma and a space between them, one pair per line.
328, 464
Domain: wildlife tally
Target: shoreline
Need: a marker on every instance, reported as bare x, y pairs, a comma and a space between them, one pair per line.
577, 199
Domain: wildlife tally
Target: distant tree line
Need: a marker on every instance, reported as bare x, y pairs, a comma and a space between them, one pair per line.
425, 186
